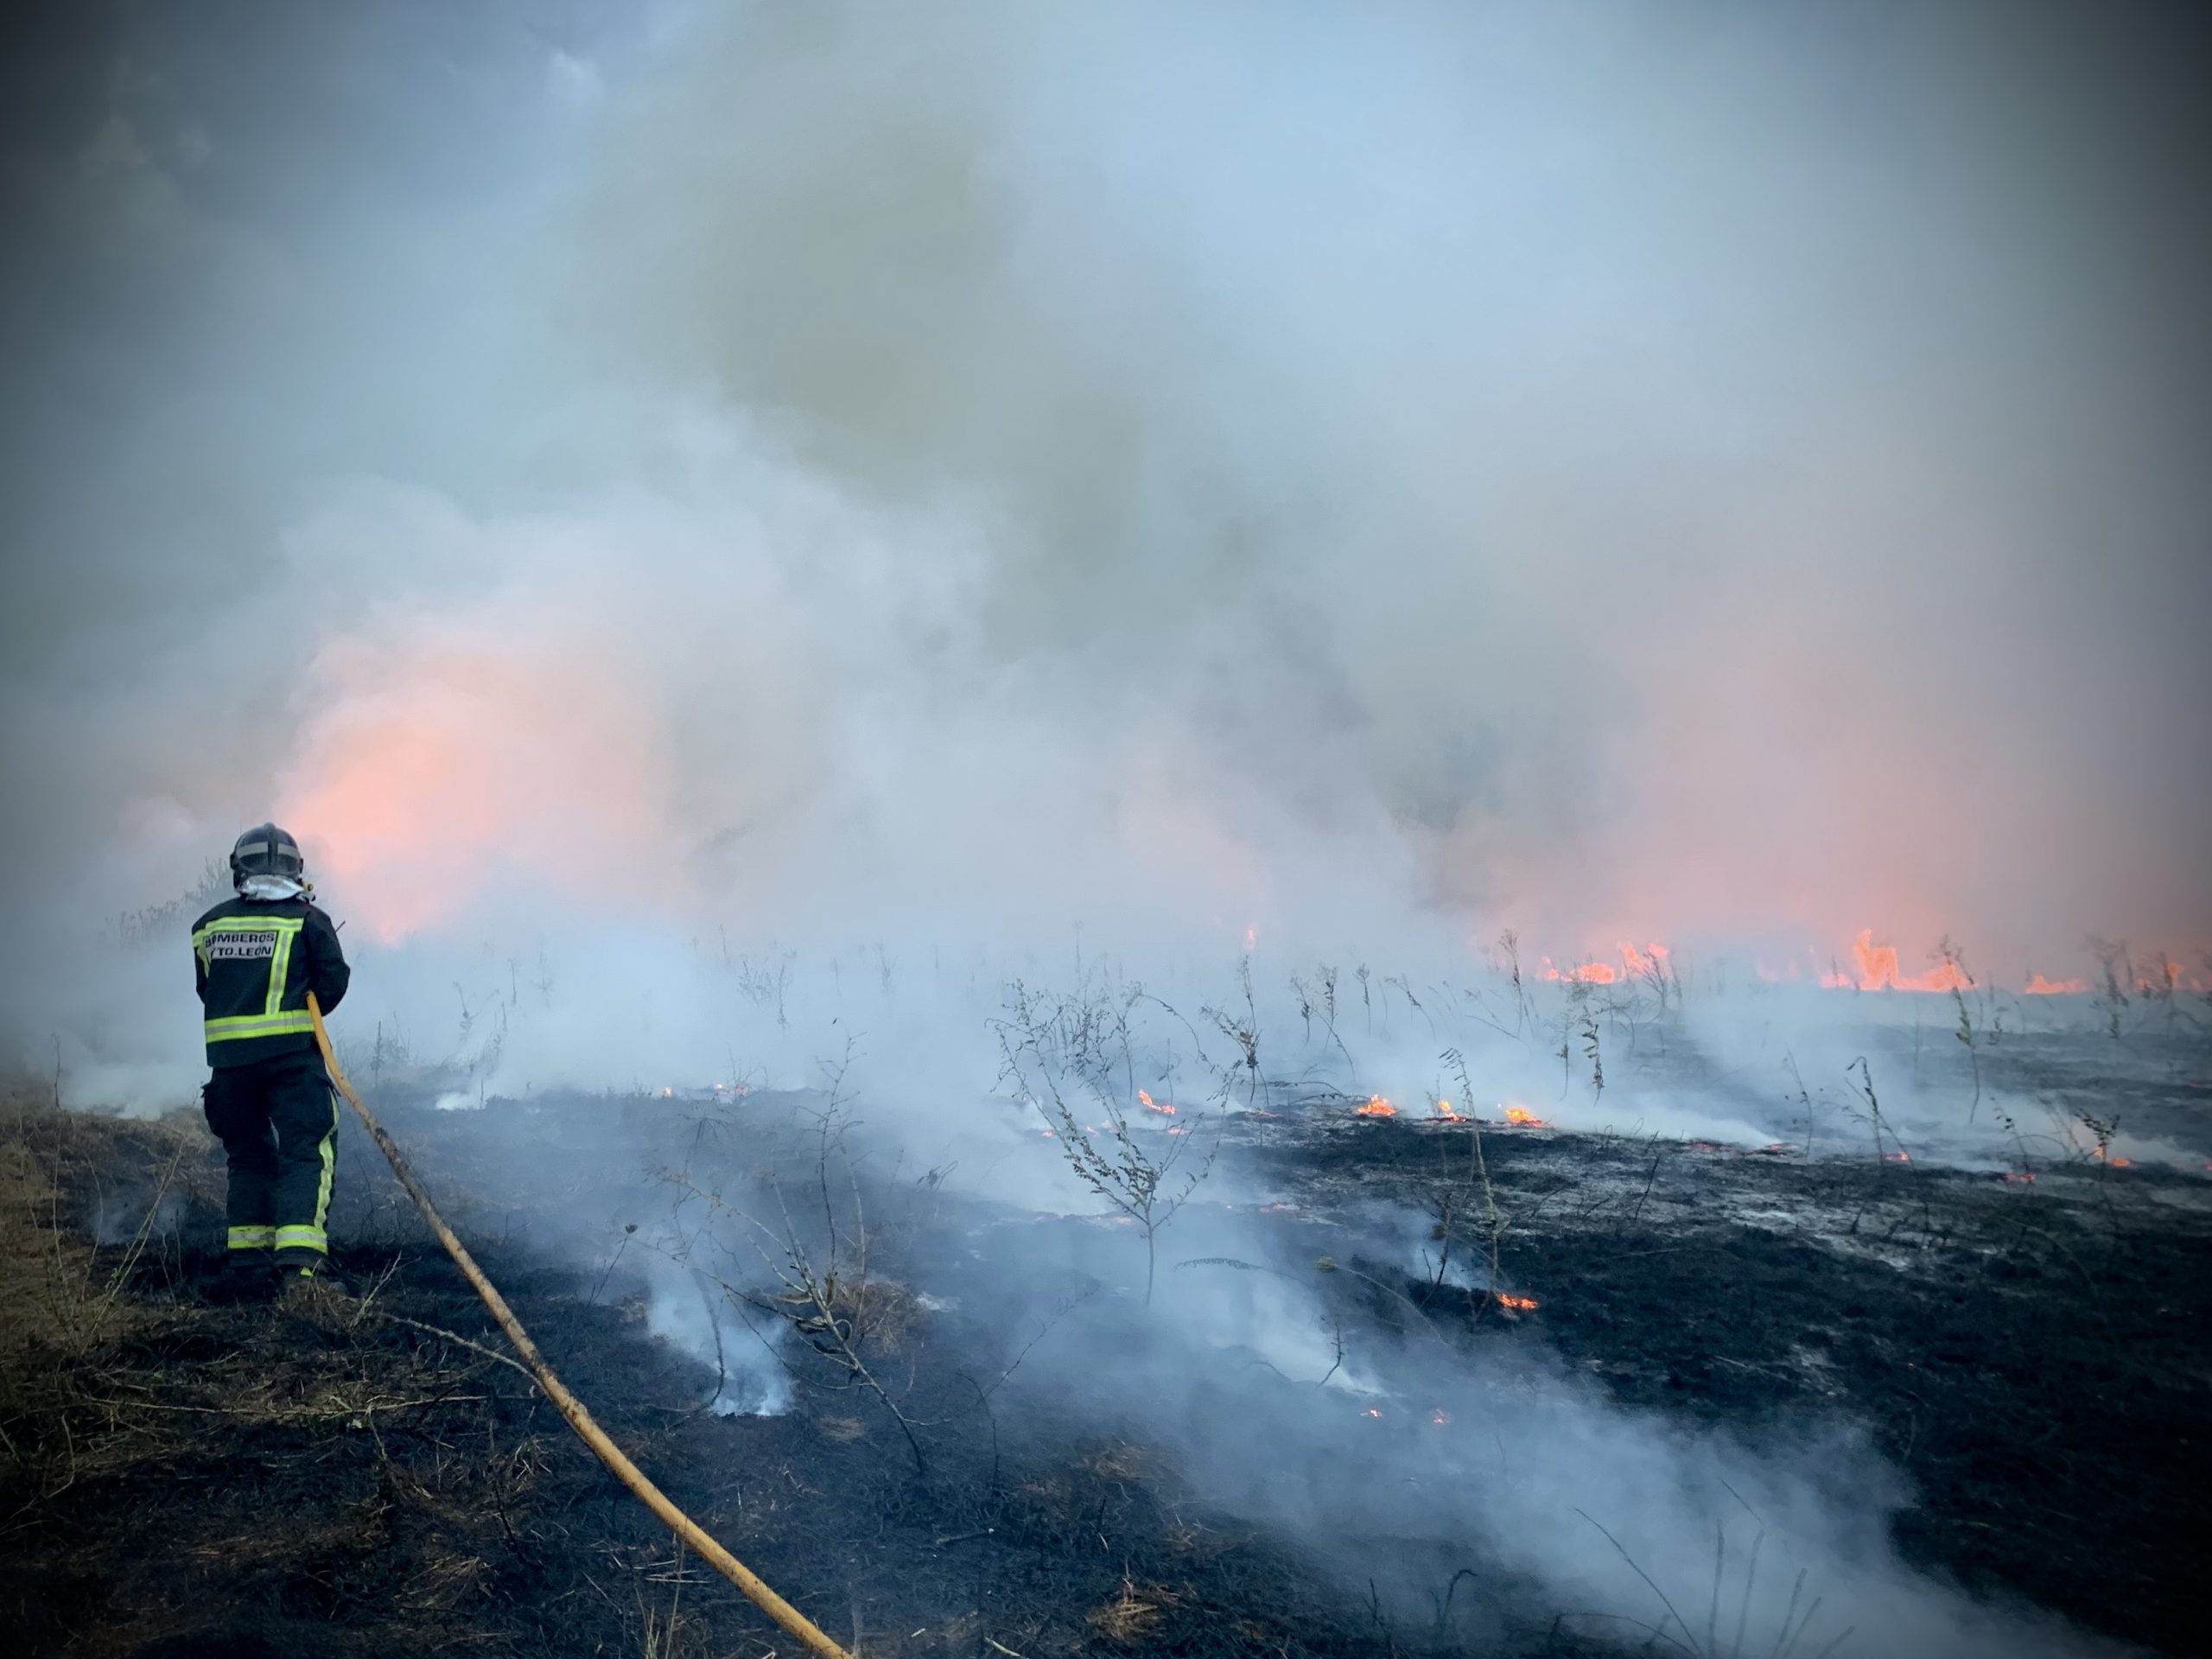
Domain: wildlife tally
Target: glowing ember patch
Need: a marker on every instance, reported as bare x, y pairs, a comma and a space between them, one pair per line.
1439, 1417
1152, 1105
1370, 1412
1523, 1116
1377, 1107
2020, 1177
1526, 1304
1896, 1157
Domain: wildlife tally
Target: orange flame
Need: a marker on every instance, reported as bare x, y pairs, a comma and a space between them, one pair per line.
1588, 973
1523, 1116
1526, 1304
1151, 1105
2038, 986
1637, 964
1877, 971
1377, 1107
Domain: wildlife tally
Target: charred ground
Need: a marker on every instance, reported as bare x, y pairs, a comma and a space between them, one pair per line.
186, 1478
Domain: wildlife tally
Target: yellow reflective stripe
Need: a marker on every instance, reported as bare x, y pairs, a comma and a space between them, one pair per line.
286, 929
233, 1027
279, 961
253, 1239
328, 1150
303, 1237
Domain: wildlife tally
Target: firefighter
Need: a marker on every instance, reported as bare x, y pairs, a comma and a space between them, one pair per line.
268, 1099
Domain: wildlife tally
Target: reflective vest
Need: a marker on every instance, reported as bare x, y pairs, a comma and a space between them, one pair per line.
255, 962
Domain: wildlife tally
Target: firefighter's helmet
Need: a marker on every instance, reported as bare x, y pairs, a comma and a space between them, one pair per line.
266, 850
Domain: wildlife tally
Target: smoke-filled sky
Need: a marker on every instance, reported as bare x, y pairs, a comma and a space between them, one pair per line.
1623, 471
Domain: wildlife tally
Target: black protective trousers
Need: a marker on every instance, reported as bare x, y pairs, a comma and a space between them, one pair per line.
277, 1120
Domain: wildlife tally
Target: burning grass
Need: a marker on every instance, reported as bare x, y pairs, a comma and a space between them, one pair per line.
373, 1477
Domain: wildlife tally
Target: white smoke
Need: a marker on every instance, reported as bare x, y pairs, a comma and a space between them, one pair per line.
753, 531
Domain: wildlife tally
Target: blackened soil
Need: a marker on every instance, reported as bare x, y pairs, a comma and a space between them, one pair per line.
2035, 1358
182, 1479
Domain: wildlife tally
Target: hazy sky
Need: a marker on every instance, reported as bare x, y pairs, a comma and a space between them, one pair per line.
1622, 470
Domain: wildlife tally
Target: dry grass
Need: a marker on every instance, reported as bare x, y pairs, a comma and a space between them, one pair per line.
1120, 1461
133, 1177
1135, 1613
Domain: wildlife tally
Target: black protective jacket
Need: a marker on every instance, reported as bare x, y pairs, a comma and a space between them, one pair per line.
254, 960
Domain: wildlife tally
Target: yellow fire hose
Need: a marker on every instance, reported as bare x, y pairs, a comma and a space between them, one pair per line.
788, 1618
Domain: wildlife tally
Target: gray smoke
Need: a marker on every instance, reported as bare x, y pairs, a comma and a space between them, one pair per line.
692, 510
1662, 474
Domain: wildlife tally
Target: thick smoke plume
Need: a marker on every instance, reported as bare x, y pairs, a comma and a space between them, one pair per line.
1664, 475
859, 504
